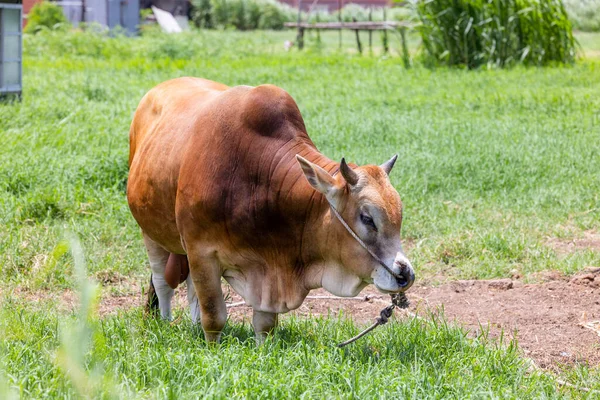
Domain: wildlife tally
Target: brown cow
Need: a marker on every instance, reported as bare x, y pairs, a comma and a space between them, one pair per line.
230, 178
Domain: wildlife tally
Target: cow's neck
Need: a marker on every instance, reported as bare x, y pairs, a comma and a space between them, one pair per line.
322, 254
305, 241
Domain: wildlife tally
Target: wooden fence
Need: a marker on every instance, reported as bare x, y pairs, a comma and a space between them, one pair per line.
356, 26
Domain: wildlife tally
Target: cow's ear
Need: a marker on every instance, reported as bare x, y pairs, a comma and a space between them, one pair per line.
389, 164
317, 176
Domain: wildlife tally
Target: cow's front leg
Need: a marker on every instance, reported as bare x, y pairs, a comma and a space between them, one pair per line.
264, 323
205, 272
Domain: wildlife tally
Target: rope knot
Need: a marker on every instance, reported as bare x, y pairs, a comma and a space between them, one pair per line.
385, 314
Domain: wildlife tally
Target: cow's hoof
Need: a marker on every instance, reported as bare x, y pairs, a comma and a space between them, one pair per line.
212, 338
260, 338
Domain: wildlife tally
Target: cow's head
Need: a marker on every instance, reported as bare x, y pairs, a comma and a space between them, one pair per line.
371, 206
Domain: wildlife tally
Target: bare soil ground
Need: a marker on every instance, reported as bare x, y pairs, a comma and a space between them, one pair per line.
590, 240
555, 322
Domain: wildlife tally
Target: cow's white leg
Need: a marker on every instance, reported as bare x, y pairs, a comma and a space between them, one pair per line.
264, 323
193, 300
206, 273
158, 260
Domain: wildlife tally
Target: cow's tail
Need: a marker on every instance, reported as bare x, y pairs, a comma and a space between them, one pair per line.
152, 299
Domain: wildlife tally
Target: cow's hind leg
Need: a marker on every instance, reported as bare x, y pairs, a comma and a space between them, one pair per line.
193, 300
158, 260
264, 323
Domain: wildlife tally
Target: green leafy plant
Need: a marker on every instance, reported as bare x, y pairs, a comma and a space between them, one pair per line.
46, 15
499, 33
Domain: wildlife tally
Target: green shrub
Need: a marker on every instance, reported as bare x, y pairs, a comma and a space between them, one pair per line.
271, 14
241, 14
238, 15
202, 13
46, 15
273, 17
499, 33
220, 12
355, 11
253, 12
584, 14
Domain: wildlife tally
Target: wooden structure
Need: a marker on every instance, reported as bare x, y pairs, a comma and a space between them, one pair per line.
356, 26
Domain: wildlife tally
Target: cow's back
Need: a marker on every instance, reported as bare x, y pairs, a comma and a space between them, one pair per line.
203, 158
237, 174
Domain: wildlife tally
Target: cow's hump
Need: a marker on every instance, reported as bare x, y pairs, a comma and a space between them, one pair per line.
269, 110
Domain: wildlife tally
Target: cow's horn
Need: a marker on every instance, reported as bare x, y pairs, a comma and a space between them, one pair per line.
349, 175
389, 164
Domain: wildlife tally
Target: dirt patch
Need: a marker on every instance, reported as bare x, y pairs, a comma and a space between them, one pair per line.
556, 322
553, 322
120, 296
589, 241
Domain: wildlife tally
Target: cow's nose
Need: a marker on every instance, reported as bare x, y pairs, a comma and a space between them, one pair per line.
405, 270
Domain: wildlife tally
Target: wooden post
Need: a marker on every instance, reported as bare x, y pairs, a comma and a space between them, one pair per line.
358, 43
370, 31
405, 55
386, 46
300, 37
318, 30
340, 5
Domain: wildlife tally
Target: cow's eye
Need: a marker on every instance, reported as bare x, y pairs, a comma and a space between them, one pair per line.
368, 221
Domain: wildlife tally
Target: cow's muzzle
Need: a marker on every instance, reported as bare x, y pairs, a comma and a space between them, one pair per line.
401, 280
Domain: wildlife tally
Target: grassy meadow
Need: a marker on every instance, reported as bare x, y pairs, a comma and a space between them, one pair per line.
493, 164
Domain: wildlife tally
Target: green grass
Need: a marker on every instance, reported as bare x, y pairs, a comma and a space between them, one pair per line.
590, 43
492, 164
135, 357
